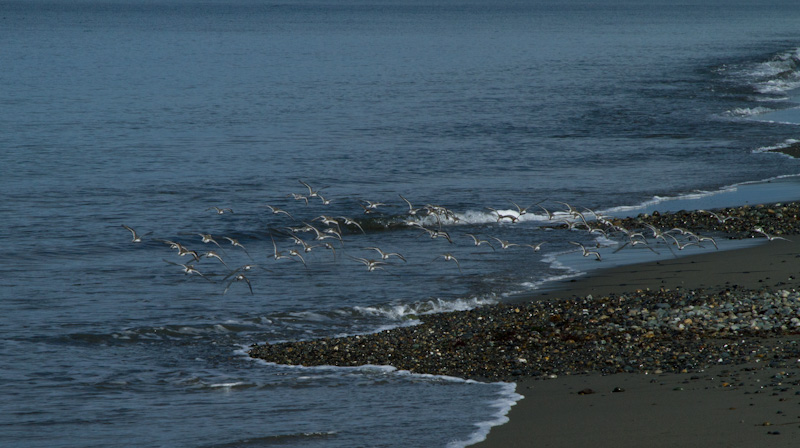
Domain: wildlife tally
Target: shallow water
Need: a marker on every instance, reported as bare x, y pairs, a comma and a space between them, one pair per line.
148, 114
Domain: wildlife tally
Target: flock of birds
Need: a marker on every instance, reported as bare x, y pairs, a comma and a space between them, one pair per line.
328, 233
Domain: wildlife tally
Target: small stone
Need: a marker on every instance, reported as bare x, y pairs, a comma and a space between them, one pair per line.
586, 391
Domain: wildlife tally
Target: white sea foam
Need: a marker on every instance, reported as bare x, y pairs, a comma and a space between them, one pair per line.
508, 398
775, 149
476, 217
748, 111
556, 264
697, 194
227, 386
433, 306
779, 74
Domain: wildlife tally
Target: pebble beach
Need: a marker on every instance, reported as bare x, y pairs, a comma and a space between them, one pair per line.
662, 323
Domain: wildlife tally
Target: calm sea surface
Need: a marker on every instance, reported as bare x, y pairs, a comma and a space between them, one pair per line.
151, 113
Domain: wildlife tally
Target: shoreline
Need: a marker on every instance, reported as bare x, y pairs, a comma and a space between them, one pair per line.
755, 403
743, 404
651, 328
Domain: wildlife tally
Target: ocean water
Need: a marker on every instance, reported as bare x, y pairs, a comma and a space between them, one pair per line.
150, 113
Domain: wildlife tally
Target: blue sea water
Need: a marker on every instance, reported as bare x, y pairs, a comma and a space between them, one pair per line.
150, 113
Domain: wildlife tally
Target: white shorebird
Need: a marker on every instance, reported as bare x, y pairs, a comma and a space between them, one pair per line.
207, 238
721, 219
370, 264
571, 210
371, 205
769, 237
330, 247
411, 209
521, 210
245, 268
587, 252
324, 201
137, 238
238, 278
212, 254
350, 222
236, 243
188, 269
220, 211
603, 219
449, 257
658, 234
634, 242
298, 197
495, 211
682, 246
295, 253
512, 218
535, 247
700, 238
549, 214
596, 230
386, 255
276, 210
437, 234
172, 244
312, 193
328, 220
278, 254
503, 243
330, 232
479, 241
571, 225
182, 251
297, 240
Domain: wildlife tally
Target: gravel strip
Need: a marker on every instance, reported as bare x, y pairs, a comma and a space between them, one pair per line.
650, 331
640, 331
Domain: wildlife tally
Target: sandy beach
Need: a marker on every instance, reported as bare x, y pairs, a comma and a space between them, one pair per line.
746, 405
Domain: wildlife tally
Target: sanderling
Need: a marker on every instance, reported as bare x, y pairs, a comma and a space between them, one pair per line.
220, 211
769, 237
187, 269
236, 243
212, 254
386, 255
238, 278
278, 254
503, 243
680, 245
370, 264
721, 219
411, 209
207, 238
587, 252
549, 214
298, 197
137, 238
350, 222
449, 257
311, 192
276, 210
535, 247
479, 241
521, 210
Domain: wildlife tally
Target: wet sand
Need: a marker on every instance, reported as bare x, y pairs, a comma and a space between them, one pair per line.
745, 405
